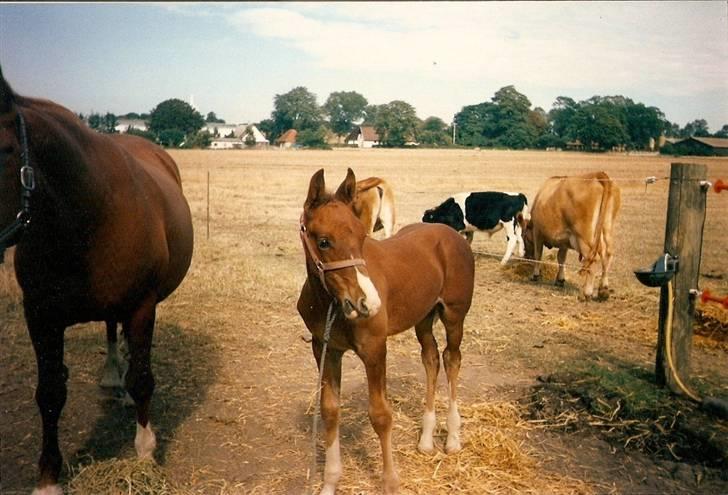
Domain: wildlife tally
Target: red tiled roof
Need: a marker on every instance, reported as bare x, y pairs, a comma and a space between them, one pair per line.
288, 137
369, 133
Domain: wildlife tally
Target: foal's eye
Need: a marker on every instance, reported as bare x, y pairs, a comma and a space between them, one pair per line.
324, 243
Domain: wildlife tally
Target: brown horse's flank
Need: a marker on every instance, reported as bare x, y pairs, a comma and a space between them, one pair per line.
423, 272
110, 237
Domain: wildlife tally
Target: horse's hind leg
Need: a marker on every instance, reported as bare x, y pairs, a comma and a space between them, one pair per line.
51, 397
330, 390
431, 361
451, 357
139, 379
113, 371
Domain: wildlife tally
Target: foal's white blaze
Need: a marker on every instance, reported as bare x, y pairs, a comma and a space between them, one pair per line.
332, 468
48, 490
145, 441
370, 293
453, 429
426, 444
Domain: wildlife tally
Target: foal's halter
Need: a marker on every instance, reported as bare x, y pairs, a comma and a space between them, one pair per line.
10, 235
322, 267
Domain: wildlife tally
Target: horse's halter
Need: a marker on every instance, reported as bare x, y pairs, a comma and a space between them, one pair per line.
10, 235
322, 267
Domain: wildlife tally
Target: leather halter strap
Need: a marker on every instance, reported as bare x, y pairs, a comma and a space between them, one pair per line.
10, 235
323, 267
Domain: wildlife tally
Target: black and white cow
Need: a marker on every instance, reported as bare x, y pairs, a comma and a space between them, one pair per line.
486, 212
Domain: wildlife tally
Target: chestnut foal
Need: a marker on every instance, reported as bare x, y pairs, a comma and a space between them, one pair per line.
380, 288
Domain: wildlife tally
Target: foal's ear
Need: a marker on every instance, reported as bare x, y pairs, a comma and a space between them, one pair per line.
347, 190
316, 190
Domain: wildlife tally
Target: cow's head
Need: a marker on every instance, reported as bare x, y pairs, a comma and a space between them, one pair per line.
528, 241
448, 213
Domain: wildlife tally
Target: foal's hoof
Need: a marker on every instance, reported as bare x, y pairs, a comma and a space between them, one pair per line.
426, 449
603, 293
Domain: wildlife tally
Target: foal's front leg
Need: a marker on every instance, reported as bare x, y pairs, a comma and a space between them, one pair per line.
380, 413
330, 391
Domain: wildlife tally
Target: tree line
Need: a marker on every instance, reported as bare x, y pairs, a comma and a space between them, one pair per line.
507, 120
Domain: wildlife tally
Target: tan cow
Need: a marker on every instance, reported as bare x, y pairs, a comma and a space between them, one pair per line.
575, 213
374, 205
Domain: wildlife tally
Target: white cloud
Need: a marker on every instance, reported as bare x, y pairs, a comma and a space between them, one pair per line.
559, 45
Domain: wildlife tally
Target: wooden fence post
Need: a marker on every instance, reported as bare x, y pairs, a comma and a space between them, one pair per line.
684, 239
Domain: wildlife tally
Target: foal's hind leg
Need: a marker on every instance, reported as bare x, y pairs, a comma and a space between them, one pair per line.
431, 361
113, 371
139, 379
451, 357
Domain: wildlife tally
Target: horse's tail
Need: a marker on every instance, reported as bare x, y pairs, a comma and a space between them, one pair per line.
604, 210
368, 183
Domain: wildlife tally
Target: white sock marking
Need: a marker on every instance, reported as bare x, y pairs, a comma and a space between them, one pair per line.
332, 468
453, 429
145, 441
429, 422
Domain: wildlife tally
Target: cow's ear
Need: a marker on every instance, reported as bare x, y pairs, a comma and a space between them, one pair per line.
316, 190
347, 190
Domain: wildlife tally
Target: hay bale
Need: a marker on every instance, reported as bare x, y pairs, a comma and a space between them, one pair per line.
121, 477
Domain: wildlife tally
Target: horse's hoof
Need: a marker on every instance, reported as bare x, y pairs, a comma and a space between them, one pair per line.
560, 283
426, 449
48, 490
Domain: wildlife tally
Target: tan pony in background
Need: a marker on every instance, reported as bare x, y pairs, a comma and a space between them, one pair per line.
374, 205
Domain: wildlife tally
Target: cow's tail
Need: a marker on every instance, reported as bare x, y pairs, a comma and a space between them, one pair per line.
606, 183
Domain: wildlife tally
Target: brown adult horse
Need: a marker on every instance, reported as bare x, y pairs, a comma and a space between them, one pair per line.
103, 233
374, 205
382, 288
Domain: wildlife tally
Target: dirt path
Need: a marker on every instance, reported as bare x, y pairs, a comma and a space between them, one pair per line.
235, 380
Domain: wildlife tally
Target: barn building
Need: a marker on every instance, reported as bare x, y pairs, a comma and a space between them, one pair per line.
363, 136
701, 146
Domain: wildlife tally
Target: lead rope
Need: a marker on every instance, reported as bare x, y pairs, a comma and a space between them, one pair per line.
330, 316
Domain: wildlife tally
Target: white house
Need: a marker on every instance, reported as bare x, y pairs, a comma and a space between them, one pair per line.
222, 143
363, 136
123, 125
237, 131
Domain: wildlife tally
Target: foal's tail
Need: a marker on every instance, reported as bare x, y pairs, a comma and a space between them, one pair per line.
368, 183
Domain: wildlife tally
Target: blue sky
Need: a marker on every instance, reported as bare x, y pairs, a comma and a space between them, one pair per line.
234, 58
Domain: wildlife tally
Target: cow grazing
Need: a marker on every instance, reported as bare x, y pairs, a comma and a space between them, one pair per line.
374, 205
485, 212
575, 213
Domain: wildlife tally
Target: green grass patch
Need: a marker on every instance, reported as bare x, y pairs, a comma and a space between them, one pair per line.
624, 404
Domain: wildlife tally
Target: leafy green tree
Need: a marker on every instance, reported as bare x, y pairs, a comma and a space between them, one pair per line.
296, 109
313, 137
172, 120
343, 109
199, 139
249, 138
476, 124
643, 123
171, 138
433, 131
110, 123
266, 127
371, 112
561, 117
722, 133
698, 128
512, 108
213, 119
95, 121
144, 134
396, 123
599, 124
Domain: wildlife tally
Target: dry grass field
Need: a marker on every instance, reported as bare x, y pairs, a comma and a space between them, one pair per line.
236, 381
